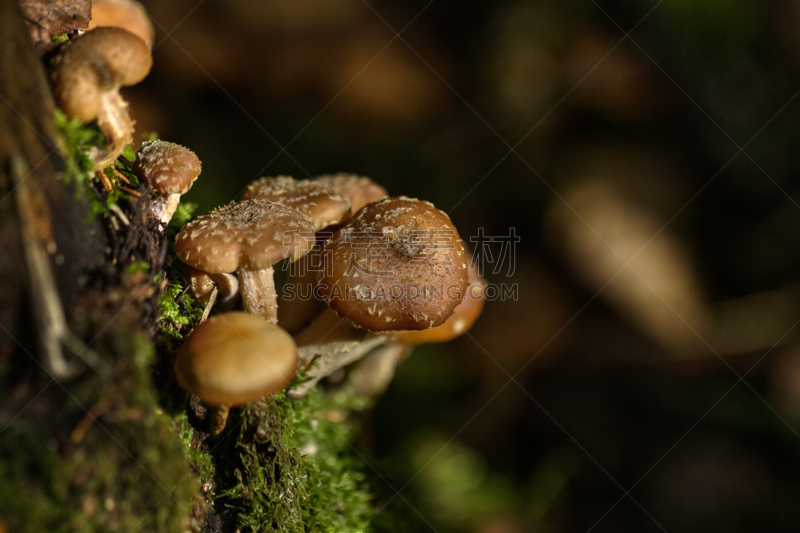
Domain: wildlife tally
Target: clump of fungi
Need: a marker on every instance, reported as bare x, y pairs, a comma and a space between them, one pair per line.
388, 273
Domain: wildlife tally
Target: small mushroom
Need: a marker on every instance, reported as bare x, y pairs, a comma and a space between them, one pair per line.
209, 287
126, 14
322, 206
248, 238
399, 264
171, 170
358, 189
203, 284
233, 359
87, 75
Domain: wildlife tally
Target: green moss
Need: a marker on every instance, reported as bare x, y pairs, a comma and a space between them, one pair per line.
139, 266
180, 310
78, 140
182, 215
283, 465
292, 467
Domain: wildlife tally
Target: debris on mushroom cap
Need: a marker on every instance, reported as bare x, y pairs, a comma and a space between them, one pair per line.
235, 358
95, 63
203, 283
252, 234
322, 206
129, 15
399, 264
168, 167
358, 189
464, 316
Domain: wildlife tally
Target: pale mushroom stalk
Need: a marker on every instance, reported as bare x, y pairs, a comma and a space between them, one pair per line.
327, 336
258, 293
164, 206
116, 124
247, 238
372, 374
326, 364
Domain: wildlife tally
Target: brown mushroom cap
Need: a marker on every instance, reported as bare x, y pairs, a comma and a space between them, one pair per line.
95, 63
399, 264
235, 358
322, 206
464, 316
251, 235
126, 14
168, 167
358, 189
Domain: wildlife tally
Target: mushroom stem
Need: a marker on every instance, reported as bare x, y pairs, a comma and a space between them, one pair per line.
327, 363
218, 418
326, 336
258, 293
117, 126
164, 206
371, 376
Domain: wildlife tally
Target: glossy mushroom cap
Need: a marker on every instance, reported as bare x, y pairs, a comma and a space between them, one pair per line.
235, 358
253, 234
399, 264
464, 316
96, 63
358, 189
126, 14
322, 206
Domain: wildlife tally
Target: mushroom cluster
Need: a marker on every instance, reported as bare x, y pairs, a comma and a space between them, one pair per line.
385, 274
368, 276
87, 75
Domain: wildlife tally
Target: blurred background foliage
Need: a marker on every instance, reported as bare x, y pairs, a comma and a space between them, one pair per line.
647, 375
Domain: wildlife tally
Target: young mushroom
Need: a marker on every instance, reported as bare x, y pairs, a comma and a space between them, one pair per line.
233, 359
171, 170
324, 208
248, 238
208, 288
87, 75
